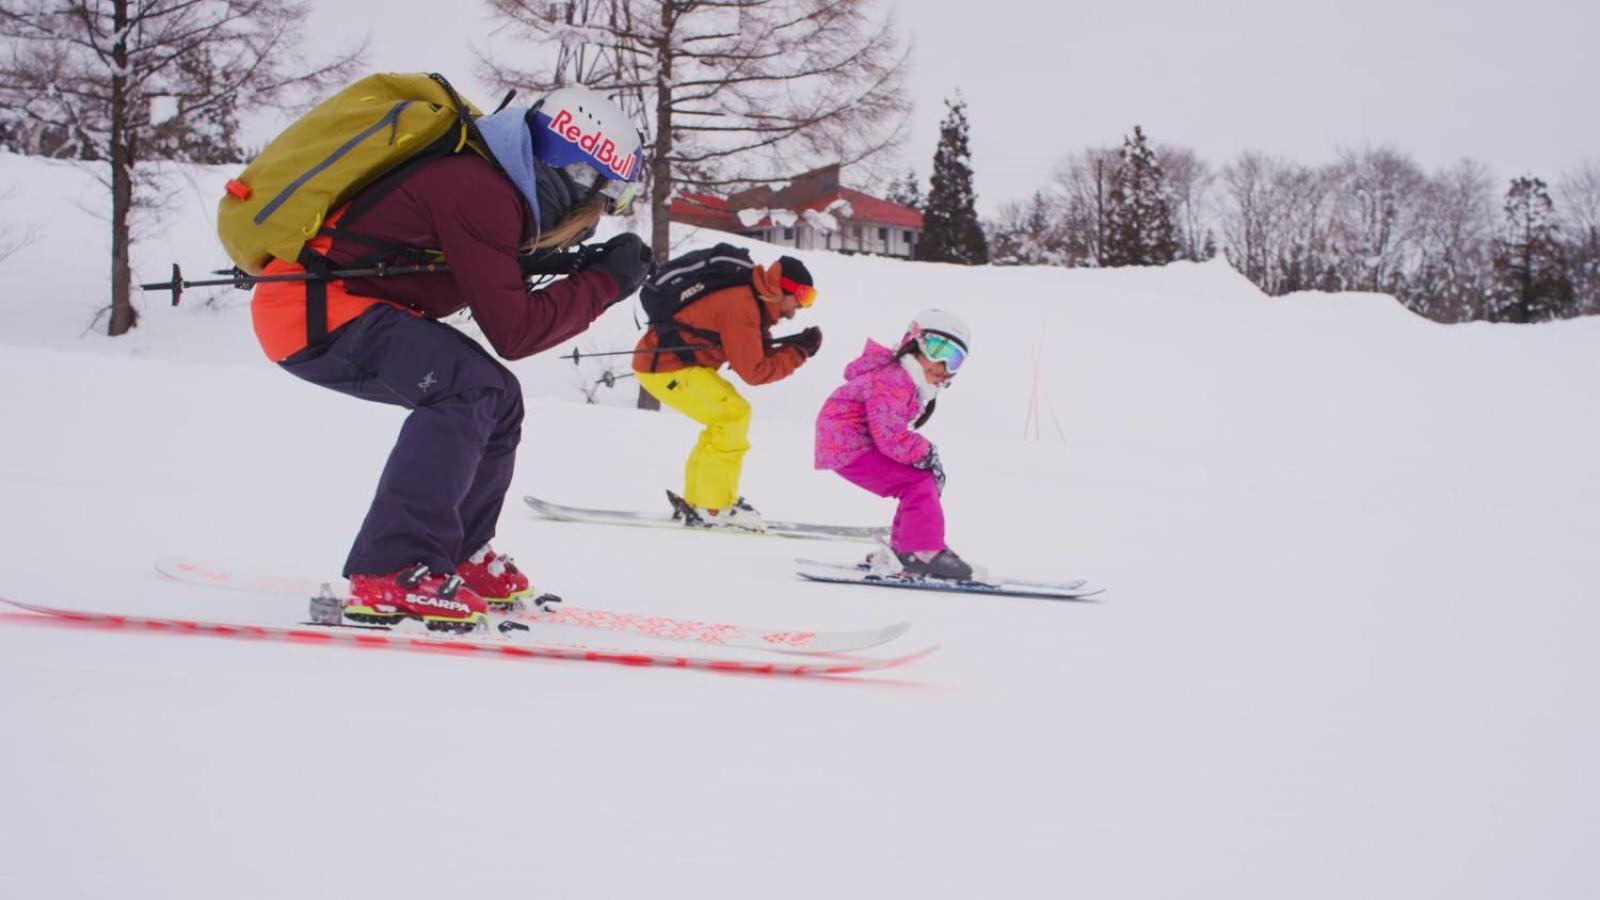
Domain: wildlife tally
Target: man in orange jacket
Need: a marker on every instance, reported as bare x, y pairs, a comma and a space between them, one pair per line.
732, 326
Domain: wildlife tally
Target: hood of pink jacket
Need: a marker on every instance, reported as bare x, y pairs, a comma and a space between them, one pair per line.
873, 356
872, 410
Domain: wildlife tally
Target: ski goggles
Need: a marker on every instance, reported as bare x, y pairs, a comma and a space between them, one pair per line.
619, 194
804, 294
942, 348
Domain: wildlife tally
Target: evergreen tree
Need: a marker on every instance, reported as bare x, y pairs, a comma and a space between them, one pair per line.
950, 229
907, 192
1139, 228
1530, 269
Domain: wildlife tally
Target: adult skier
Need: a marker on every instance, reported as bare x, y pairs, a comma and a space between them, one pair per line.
867, 432
731, 326
424, 548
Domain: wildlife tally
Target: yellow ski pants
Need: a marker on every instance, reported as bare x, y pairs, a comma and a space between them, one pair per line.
711, 477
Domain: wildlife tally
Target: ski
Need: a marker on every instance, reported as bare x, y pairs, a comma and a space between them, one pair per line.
504, 648
804, 530
837, 573
695, 631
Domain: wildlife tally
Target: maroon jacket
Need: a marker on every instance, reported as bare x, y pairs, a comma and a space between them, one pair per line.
465, 207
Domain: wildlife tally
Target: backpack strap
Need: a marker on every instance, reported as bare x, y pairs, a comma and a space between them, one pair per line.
316, 296
368, 197
463, 112
670, 334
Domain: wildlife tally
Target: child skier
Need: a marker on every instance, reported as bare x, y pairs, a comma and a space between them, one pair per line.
863, 434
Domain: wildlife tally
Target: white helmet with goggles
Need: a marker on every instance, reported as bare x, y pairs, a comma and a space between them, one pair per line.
585, 134
940, 336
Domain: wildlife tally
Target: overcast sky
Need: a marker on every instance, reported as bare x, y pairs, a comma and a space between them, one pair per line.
1511, 84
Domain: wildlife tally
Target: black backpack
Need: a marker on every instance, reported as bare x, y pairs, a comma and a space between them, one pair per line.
684, 279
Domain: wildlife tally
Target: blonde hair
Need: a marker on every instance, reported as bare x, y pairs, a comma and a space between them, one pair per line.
577, 222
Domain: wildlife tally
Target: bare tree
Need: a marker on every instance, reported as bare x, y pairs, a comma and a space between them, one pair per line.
1276, 224
1580, 200
1306, 249
1030, 234
728, 93
90, 73
1378, 194
1580, 214
1084, 181
1248, 219
1190, 183
1456, 223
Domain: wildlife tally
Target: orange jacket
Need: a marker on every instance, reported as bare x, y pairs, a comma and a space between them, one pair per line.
742, 318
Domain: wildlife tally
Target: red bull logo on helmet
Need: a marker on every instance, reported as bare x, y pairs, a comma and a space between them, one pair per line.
596, 144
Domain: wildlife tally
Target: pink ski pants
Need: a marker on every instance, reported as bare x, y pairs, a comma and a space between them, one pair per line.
919, 522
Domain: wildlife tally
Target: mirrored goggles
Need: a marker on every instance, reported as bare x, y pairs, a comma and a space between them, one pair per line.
619, 194
804, 294
942, 348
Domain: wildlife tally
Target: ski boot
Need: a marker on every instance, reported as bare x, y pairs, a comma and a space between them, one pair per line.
442, 602
882, 561
944, 565
740, 515
496, 579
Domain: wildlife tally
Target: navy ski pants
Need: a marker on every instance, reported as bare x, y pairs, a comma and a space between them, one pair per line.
440, 494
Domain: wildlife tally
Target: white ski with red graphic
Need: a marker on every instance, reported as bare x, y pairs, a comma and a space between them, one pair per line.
786, 640
385, 639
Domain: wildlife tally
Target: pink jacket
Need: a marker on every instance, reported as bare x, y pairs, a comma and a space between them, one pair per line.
874, 409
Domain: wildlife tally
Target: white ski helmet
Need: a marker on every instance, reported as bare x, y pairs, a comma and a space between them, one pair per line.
940, 335
587, 135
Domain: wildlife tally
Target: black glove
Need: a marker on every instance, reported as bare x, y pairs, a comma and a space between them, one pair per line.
932, 464
549, 261
626, 258
809, 341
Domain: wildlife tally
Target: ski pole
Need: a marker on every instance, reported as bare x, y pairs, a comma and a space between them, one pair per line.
610, 378
242, 280
548, 262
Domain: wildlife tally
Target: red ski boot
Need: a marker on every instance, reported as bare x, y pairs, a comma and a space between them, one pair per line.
442, 602
496, 579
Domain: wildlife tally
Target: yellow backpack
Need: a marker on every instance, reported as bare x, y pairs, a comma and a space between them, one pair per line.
279, 201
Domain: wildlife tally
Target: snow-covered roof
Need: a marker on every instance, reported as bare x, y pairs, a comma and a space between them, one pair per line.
844, 205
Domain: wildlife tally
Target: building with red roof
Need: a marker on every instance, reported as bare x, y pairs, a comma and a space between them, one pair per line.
812, 212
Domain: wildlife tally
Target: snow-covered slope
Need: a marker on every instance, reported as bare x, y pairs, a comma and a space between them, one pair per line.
1347, 651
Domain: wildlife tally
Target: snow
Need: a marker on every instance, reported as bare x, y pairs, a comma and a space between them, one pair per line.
162, 108
1347, 648
821, 221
